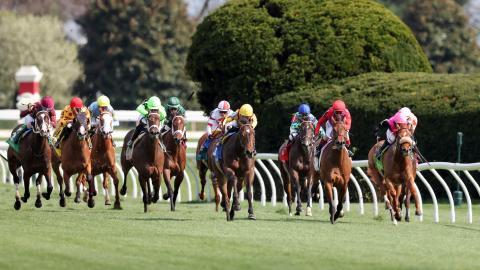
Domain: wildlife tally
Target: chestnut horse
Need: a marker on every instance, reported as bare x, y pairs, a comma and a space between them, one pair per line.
399, 173
148, 159
34, 157
237, 165
176, 154
75, 159
299, 167
336, 167
203, 166
103, 155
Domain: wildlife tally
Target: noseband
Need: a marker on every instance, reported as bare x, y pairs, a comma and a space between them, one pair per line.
151, 127
248, 154
178, 131
45, 121
405, 139
101, 125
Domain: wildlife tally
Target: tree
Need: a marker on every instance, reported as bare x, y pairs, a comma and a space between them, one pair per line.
33, 40
135, 49
252, 50
441, 27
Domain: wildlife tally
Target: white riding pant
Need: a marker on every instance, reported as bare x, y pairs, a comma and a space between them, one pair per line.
390, 136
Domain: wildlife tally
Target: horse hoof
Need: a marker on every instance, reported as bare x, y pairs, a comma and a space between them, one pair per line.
85, 198
91, 203
17, 205
332, 219
418, 213
407, 219
46, 196
117, 206
62, 202
395, 222
290, 214
252, 217
165, 196
95, 193
398, 218
68, 193
77, 200
24, 199
297, 213
107, 202
232, 215
308, 213
201, 196
123, 191
237, 207
342, 214
38, 203
155, 199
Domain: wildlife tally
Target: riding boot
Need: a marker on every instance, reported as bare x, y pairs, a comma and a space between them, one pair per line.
60, 137
385, 144
16, 136
137, 131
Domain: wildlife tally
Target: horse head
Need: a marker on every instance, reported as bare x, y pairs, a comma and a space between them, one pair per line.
247, 139
80, 126
306, 134
105, 124
42, 124
404, 140
339, 132
153, 124
178, 128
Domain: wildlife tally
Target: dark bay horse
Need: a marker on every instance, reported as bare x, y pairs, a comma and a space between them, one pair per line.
148, 158
34, 157
176, 154
237, 165
399, 173
299, 167
203, 167
75, 159
103, 155
336, 167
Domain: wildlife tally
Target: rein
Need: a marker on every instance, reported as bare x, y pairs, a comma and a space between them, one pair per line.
181, 132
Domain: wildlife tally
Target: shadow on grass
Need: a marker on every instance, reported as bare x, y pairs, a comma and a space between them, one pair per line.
468, 228
159, 219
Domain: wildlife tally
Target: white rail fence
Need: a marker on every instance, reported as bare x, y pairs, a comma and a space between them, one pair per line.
268, 176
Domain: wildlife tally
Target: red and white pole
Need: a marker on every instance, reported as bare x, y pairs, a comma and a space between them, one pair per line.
28, 79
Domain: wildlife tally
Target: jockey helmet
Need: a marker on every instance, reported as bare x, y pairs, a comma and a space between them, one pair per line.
47, 102
223, 106
405, 110
400, 118
154, 103
173, 102
304, 109
76, 102
246, 110
103, 101
339, 105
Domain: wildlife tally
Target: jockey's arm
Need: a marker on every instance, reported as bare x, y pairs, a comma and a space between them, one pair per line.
163, 114
348, 120
53, 118
254, 121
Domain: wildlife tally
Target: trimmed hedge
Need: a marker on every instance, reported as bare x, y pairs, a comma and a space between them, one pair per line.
251, 50
443, 103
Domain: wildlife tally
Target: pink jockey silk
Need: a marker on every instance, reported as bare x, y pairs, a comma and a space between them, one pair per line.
398, 118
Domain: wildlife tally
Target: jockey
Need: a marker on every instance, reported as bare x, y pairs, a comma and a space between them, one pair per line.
98, 107
214, 123
303, 114
174, 108
45, 104
391, 124
68, 115
153, 104
338, 108
243, 115
411, 118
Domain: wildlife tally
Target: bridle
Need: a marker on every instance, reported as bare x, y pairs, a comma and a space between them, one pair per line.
178, 131
248, 154
81, 122
405, 139
45, 125
101, 125
151, 127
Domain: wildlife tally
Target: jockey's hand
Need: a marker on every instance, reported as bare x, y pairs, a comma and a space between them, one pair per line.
69, 125
291, 137
29, 125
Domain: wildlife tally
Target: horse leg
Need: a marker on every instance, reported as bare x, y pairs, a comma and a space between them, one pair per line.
225, 195
77, 184
332, 209
407, 204
308, 213
143, 179
178, 181
249, 183
295, 179
48, 178
390, 200
413, 192
125, 168
12, 166
26, 183
156, 188
105, 188
166, 178
287, 186
202, 171
38, 182
66, 182
236, 201
341, 198
218, 192
398, 192
170, 191
116, 181
232, 185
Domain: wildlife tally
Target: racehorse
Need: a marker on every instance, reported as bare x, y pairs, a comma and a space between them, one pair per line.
103, 155
335, 167
203, 167
176, 155
34, 157
299, 166
75, 159
236, 166
148, 159
399, 173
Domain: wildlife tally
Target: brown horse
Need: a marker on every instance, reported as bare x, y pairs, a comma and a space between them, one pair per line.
148, 159
103, 155
335, 168
203, 167
176, 155
75, 159
237, 165
399, 173
299, 166
34, 157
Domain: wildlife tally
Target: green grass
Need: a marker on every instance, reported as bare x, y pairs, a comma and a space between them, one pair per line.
195, 237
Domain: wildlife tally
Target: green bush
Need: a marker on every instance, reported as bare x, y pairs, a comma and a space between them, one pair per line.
444, 105
251, 50
40, 41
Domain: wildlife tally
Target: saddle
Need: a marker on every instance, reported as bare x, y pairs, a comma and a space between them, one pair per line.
317, 160
378, 159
